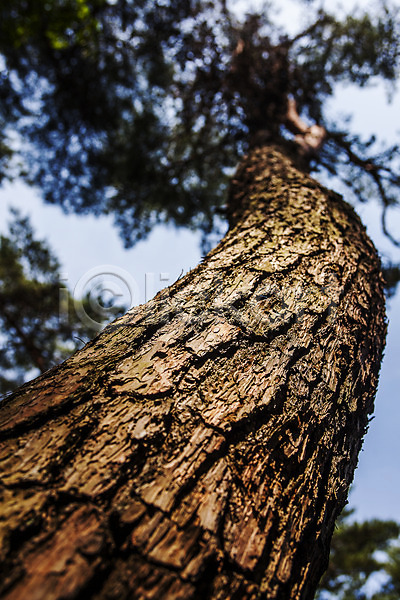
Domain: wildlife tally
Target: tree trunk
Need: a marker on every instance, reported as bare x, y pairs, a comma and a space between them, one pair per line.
203, 445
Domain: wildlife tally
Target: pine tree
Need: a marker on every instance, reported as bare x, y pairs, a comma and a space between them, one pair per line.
202, 446
359, 553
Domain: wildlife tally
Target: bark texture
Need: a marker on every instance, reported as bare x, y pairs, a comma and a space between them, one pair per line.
202, 446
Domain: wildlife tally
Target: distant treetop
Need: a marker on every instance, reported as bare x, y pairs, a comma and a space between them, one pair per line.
143, 108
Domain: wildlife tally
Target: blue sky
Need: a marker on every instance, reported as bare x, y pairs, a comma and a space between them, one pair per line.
86, 246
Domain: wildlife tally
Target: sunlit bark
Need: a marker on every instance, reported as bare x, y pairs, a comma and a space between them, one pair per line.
203, 445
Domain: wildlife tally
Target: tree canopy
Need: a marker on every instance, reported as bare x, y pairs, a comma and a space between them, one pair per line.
141, 109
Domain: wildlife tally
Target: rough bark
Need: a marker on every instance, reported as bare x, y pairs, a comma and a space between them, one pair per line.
203, 445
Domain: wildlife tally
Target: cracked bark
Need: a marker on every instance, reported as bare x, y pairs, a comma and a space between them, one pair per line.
203, 445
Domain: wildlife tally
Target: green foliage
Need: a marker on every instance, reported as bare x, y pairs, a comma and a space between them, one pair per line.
391, 589
361, 554
56, 22
142, 109
39, 321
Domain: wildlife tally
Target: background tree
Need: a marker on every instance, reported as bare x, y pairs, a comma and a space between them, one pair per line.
361, 552
40, 326
203, 445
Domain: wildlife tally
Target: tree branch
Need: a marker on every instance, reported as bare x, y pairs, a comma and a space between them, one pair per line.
309, 138
323, 19
373, 169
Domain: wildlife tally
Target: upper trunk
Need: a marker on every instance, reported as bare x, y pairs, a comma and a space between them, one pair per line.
203, 445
